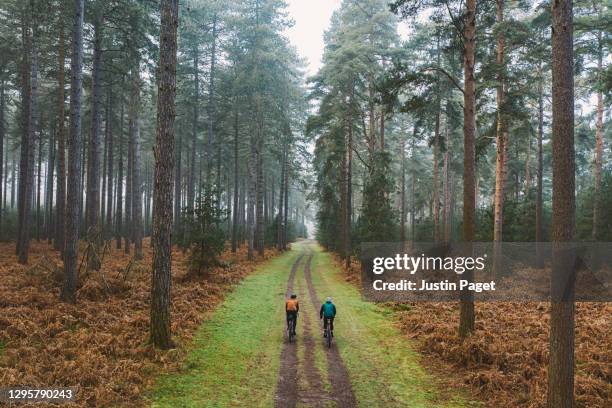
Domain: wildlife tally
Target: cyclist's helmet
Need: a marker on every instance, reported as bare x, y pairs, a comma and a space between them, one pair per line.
293, 296
329, 299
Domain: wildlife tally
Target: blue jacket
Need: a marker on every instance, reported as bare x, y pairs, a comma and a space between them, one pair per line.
328, 309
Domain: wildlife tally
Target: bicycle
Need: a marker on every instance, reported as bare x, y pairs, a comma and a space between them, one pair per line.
291, 329
328, 332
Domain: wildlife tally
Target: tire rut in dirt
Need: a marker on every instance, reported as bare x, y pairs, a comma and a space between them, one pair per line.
342, 391
314, 395
286, 388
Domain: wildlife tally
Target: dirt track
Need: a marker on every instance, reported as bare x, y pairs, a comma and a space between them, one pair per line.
292, 371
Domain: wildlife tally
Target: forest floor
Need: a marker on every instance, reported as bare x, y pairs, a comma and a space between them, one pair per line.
504, 364
100, 346
241, 357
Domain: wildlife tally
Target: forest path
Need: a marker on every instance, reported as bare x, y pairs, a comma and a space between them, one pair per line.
240, 356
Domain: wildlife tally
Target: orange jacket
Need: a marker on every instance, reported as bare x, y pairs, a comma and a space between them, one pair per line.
292, 305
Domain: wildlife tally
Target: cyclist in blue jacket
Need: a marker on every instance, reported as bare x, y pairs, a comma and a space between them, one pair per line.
328, 311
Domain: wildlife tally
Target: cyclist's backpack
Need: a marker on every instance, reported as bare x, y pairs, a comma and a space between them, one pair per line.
292, 305
329, 310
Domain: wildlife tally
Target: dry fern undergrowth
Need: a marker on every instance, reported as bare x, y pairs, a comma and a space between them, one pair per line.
504, 363
100, 345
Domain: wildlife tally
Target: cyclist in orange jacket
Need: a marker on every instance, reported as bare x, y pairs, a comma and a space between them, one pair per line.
292, 307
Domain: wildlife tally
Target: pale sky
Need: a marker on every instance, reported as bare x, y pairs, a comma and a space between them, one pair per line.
312, 18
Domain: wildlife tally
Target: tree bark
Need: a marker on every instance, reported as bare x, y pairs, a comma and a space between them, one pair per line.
38, 186
286, 206
74, 159
128, 217
110, 163
539, 173
136, 196
528, 167
251, 199
49, 186
2, 131
280, 221
349, 188
260, 191
60, 200
211, 100
436, 170
194, 134
119, 204
92, 210
28, 140
598, 142
235, 211
413, 186
177, 189
447, 198
501, 145
403, 189
466, 319
164, 167
561, 360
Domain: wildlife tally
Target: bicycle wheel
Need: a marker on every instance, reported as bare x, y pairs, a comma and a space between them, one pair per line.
291, 329
328, 331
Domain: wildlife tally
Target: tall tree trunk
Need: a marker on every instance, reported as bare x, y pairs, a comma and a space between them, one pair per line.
539, 173
251, 199
13, 180
49, 186
413, 186
466, 319
343, 200
74, 159
349, 187
2, 131
119, 204
280, 220
164, 166
103, 194
561, 361
235, 213
382, 128
60, 200
286, 205
598, 141
436, 170
110, 163
194, 134
447, 198
528, 167
136, 199
260, 191
24, 245
501, 142
211, 101
38, 186
436, 180
92, 210
177, 189
128, 218
26, 40
403, 189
